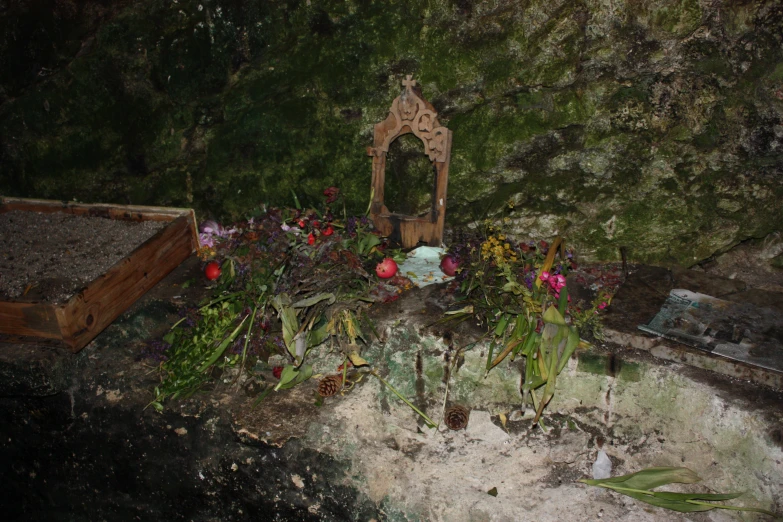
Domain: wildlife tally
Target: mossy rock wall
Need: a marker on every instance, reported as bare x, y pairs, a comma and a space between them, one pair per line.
654, 126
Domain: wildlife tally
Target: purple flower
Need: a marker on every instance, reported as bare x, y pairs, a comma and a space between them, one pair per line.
206, 240
350, 225
155, 350
210, 226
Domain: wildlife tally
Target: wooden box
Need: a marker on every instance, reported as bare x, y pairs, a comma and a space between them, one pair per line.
85, 314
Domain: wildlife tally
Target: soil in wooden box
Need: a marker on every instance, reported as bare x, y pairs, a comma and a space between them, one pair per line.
48, 257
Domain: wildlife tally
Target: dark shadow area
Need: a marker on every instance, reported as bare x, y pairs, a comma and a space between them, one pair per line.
410, 177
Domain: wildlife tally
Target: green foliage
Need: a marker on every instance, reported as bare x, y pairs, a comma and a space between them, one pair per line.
639, 485
282, 262
522, 298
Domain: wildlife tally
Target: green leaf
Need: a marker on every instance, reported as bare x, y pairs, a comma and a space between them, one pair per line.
696, 496
562, 302
553, 316
296, 200
262, 395
290, 376
649, 478
317, 336
515, 288
222, 347
674, 505
489, 355
304, 303
571, 344
287, 314
502, 325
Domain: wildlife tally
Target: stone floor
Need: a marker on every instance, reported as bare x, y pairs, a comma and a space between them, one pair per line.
80, 445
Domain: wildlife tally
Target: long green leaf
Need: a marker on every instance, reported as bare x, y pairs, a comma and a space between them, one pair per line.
318, 335
696, 496
287, 314
571, 344
304, 303
649, 478
502, 325
562, 302
675, 505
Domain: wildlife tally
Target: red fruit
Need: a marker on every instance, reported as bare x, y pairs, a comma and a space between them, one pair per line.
386, 268
310, 238
212, 270
328, 231
449, 265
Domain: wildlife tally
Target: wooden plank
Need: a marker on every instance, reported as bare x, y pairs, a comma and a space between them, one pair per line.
29, 319
122, 212
87, 313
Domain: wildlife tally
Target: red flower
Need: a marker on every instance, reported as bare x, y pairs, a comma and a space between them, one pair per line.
316, 224
310, 239
277, 371
301, 223
331, 194
328, 231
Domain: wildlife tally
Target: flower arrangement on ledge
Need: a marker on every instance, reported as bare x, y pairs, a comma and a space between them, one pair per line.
289, 280
520, 293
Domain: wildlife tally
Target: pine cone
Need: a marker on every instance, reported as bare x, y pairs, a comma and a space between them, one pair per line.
330, 385
456, 417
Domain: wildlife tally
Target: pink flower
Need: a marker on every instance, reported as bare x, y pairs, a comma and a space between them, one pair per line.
557, 282
602, 306
544, 276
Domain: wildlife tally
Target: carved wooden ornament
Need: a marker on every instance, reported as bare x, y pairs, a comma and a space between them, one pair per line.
410, 113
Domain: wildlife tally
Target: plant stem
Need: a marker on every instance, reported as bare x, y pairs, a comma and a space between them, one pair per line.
430, 422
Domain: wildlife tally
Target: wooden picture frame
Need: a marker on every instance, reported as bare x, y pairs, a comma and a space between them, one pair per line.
411, 114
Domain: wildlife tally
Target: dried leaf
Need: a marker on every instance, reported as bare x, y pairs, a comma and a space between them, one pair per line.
357, 360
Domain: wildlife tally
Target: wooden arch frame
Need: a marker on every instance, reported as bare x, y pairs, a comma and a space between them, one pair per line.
411, 114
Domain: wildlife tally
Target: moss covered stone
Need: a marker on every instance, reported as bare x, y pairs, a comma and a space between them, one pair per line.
650, 126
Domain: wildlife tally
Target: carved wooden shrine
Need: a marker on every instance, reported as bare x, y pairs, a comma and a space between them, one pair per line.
410, 113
